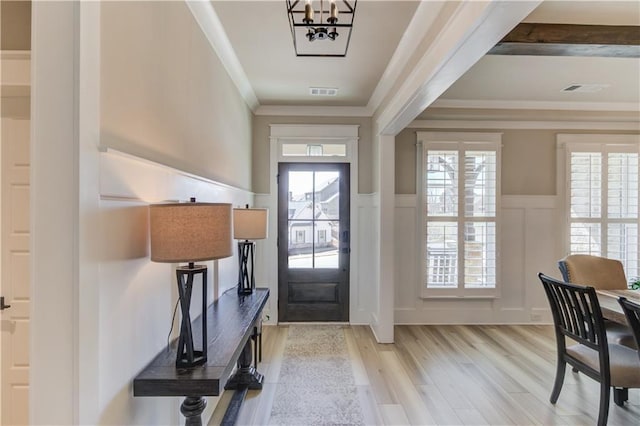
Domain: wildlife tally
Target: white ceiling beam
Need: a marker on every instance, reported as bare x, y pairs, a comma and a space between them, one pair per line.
470, 30
420, 24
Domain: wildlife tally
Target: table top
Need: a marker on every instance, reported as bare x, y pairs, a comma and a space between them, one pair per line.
230, 322
609, 305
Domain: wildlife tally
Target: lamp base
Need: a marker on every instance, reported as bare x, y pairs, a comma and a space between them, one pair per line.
246, 257
186, 355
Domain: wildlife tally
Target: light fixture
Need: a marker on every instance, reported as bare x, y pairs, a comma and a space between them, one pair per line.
321, 27
190, 232
248, 225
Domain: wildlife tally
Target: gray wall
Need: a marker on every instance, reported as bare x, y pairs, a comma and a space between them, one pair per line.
261, 147
166, 96
528, 160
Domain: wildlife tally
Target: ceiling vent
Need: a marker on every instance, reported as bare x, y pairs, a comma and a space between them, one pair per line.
323, 91
585, 88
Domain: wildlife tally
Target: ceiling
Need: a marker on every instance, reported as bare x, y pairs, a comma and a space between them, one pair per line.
260, 37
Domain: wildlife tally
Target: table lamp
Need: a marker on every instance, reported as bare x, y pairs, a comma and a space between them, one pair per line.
248, 225
190, 232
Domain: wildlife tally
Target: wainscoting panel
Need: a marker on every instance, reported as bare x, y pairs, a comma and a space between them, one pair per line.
137, 297
529, 243
407, 253
364, 281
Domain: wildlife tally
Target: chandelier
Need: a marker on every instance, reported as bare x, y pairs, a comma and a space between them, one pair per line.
321, 27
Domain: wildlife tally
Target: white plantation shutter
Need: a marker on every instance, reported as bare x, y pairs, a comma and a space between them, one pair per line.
603, 194
459, 191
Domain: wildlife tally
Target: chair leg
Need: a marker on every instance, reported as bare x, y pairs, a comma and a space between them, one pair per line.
557, 386
620, 396
605, 393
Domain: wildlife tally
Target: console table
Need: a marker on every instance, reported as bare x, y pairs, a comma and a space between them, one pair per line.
232, 321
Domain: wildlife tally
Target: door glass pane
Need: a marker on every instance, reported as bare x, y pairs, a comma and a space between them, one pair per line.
442, 254
300, 223
327, 195
313, 205
326, 250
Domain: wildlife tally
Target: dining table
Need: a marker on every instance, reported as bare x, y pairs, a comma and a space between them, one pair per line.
610, 307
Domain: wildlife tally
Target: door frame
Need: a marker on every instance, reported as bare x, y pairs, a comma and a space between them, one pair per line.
302, 134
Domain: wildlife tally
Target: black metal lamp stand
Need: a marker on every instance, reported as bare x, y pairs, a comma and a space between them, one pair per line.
187, 355
246, 260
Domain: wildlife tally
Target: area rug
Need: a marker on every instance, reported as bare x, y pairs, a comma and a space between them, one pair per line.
316, 384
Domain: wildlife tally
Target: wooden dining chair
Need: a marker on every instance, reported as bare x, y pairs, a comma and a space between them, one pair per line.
602, 274
632, 313
577, 317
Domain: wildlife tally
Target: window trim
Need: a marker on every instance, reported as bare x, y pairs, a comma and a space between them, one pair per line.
438, 140
603, 143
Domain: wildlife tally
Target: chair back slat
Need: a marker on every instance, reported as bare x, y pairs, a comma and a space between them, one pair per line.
576, 312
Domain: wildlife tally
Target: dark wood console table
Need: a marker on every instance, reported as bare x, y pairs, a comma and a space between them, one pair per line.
232, 321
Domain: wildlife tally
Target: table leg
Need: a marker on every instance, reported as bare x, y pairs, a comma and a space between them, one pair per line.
191, 408
246, 376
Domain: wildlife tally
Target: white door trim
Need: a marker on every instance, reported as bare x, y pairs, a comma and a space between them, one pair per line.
289, 133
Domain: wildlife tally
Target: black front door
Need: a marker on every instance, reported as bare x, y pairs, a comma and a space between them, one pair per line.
313, 242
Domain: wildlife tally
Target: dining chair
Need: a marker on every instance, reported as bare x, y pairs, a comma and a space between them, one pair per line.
599, 272
632, 313
577, 317
602, 274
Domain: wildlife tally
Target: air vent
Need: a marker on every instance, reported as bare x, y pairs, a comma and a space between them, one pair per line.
585, 88
323, 91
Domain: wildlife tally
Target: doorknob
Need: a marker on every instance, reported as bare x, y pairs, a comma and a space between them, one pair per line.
2, 305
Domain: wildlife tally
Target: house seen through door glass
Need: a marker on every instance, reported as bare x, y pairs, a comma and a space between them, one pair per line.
313, 219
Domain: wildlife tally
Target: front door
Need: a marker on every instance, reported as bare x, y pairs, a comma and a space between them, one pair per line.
313, 242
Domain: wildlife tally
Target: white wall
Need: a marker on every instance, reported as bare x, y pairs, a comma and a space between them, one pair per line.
100, 309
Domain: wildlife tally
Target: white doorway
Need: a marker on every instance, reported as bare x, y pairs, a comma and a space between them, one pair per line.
14, 245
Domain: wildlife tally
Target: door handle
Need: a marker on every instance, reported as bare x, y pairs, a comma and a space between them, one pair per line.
2, 305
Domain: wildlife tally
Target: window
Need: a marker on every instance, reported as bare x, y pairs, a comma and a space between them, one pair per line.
322, 236
602, 195
314, 149
459, 186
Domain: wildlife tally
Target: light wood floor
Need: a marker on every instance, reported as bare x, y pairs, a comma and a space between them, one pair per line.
451, 375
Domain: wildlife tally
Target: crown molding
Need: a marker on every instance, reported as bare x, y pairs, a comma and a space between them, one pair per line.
539, 125
314, 111
537, 105
212, 28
